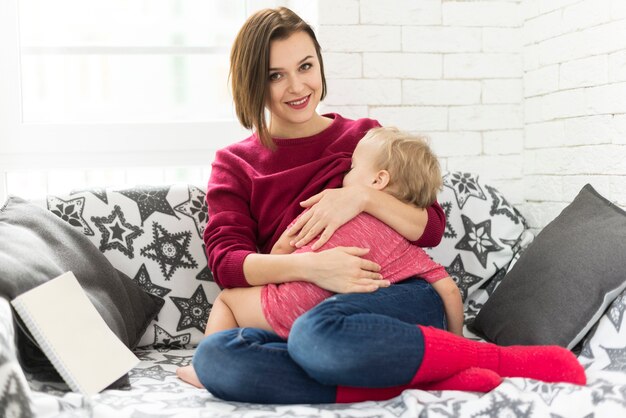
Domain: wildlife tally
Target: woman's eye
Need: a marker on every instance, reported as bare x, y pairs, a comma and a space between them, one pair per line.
306, 66
275, 76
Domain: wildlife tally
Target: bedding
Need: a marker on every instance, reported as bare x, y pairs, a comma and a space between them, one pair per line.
158, 393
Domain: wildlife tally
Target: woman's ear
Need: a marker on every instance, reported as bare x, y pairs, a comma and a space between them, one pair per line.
381, 180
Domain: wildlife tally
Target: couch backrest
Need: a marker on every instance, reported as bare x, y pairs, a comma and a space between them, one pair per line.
154, 235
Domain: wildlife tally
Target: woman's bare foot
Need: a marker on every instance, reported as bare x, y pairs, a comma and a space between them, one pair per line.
188, 374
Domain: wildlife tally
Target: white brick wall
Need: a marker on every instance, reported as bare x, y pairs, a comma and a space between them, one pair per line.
530, 94
574, 103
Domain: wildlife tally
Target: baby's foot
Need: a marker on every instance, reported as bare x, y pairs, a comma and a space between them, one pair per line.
188, 374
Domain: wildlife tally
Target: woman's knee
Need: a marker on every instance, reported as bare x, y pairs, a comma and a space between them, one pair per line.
315, 344
217, 367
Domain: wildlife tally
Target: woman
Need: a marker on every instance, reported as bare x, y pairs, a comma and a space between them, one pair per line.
370, 335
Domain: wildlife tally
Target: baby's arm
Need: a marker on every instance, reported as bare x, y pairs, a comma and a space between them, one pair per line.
452, 304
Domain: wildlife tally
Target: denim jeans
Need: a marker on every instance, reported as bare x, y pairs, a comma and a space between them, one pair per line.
356, 339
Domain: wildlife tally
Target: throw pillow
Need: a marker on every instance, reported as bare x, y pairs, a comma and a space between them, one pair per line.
152, 233
37, 246
483, 232
15, 398
564, 280
604, 348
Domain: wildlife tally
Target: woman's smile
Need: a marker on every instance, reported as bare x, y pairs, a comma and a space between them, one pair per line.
299, 103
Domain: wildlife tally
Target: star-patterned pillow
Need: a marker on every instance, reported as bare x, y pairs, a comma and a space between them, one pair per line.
154, 235
605, 347
14, 391
483, 233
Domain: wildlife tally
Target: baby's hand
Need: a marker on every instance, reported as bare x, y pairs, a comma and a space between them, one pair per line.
283, 246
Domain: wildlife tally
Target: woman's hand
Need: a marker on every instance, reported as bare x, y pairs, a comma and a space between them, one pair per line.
343, 270
328, 211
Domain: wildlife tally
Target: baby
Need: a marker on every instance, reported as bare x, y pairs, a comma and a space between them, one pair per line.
388, 160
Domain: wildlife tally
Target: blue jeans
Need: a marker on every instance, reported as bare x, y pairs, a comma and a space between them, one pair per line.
356, 339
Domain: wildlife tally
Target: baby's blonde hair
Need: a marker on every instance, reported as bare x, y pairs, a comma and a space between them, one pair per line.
415, 176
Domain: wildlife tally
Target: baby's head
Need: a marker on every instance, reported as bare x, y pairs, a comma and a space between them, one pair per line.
399, 163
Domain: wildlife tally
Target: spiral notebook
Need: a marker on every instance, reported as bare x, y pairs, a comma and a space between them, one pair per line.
73, 335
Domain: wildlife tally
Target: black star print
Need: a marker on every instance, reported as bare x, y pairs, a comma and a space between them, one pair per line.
477, 239
116, 232
193, 402
99, 192
602, 391
150, 199
194, 311
496, 280
586, 350
163, 341
205, 275
463, 279
170, 250
449, 232
13, 396
465, 185
501, 405
178, 361
471, 311
144, 355
142, 278
154, 372
618, 358
71, 211
118, 402
616, 312
196, 208
501, 206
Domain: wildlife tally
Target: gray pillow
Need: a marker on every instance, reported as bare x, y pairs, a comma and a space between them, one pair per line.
37, 246
564, 281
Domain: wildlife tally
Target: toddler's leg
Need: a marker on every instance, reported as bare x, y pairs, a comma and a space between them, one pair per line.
245, 305
233, 308
221, 317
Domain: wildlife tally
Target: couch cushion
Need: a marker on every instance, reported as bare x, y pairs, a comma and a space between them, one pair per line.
154, 235
483, 233
36, 246
14, 391
564, 281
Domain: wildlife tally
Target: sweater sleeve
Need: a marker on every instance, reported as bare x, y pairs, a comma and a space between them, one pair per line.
230, 234
435, 226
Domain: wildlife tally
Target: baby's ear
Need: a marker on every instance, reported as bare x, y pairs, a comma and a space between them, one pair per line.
381, 180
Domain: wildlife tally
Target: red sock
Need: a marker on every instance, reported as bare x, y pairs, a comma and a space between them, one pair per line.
349, 394
473, 380
446, 354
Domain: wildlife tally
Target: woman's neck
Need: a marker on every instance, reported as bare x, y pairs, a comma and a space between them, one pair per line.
311, 127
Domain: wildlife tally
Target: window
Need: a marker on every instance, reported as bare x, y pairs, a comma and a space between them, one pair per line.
108, 92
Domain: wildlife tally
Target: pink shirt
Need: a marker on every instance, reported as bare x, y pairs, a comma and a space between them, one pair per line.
398, 258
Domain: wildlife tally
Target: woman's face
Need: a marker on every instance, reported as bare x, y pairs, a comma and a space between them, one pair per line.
295, 84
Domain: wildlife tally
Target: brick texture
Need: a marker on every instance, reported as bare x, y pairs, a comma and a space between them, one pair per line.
527, 93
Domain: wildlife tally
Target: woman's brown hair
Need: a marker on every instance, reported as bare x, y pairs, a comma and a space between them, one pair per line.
249, 64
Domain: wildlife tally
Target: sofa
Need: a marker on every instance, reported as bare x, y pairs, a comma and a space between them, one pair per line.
152, 235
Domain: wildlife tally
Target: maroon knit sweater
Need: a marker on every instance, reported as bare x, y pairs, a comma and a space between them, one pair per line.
254, 193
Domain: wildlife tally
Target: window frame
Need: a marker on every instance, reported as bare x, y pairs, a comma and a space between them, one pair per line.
46, 146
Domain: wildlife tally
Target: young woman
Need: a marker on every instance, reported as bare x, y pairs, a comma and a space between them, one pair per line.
339, 350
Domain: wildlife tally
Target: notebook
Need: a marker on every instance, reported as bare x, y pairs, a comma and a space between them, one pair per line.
73, 335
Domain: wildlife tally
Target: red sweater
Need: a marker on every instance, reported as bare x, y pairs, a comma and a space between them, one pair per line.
254, 193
